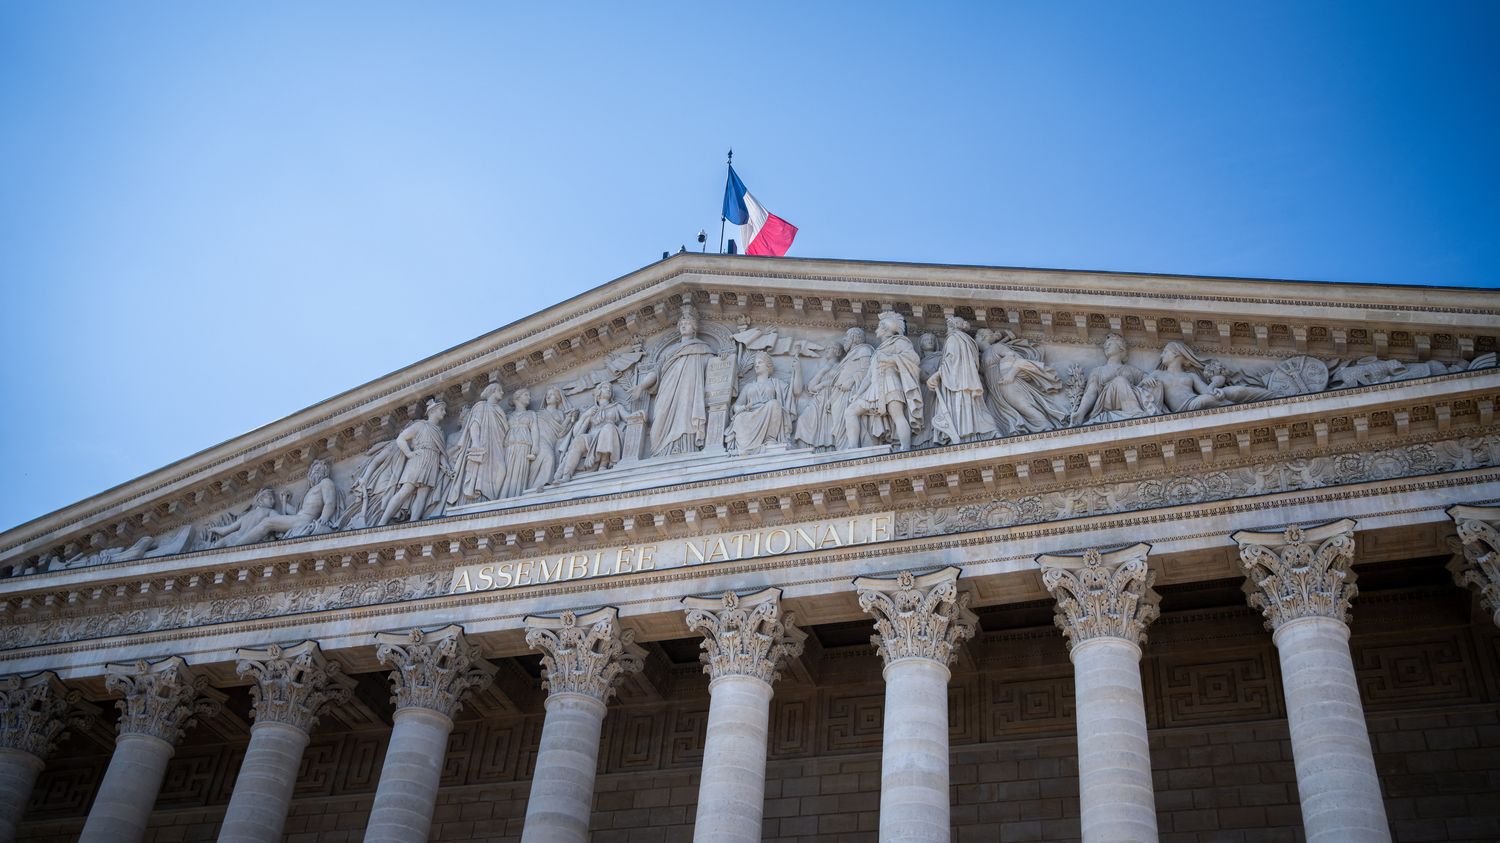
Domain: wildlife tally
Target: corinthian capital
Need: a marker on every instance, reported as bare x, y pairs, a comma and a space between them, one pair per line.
1299, 572
37, 711
1102, 595
1476, 560
433, 669
744, 636
293, 685
161, 699
917, 617
584, 654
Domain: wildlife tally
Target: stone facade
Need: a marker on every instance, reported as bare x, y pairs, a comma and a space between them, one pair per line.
612, 573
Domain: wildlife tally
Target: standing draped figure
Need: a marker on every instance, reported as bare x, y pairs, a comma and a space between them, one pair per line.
552, 424
520, 444
849, 385
478, 456
679, 423
892, 401
960, 414
932, 358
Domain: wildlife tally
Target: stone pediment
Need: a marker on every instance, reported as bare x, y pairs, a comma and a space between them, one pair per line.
703, 370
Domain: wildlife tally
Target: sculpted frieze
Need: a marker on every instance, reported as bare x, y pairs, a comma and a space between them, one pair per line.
705, 392
1184, 488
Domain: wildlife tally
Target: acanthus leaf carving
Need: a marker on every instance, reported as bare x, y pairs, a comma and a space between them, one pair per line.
745, 635
1102, 595
433, 669
922, 616
293, 685
588, 654
1476, 559
37, 712
1299, 572
161, 699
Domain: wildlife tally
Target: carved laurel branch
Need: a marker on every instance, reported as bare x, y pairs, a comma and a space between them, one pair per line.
589, 654
433, 669
1476, 562
293, 685
161, 699
1301, 573
745, 636
1099, 596
918, 617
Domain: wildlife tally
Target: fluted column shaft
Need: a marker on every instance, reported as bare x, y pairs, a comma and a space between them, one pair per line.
433, 671
1302, 580
1114, 757
18, 772
1336, 777
122, 807
584, 659
562, 788
914, 753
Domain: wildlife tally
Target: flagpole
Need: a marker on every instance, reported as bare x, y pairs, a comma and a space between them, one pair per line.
722, 219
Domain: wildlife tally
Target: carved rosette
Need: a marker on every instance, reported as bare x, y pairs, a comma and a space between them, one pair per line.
585, 654
37, 711
1476, 558
918, 617
1299, 572
293, 685
1102, 595
745, 636
161, 699
433, 669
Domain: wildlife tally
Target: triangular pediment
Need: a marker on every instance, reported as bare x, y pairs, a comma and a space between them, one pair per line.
623, 399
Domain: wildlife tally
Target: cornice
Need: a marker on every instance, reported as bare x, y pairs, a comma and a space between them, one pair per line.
598, 316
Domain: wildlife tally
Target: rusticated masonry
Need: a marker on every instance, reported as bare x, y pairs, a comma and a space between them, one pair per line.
745, 636
1476, 564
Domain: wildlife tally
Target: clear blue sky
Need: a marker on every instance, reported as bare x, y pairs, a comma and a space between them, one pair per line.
213, 215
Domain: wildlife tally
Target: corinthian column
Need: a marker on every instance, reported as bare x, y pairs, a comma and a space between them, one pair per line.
1476, 564
293, 686
920, 622
584, 658
433, 671
1301, 580
35, 713
1104, 603
160, 701
746, 640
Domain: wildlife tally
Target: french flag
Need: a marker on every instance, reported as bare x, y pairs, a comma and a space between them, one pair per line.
761, 232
